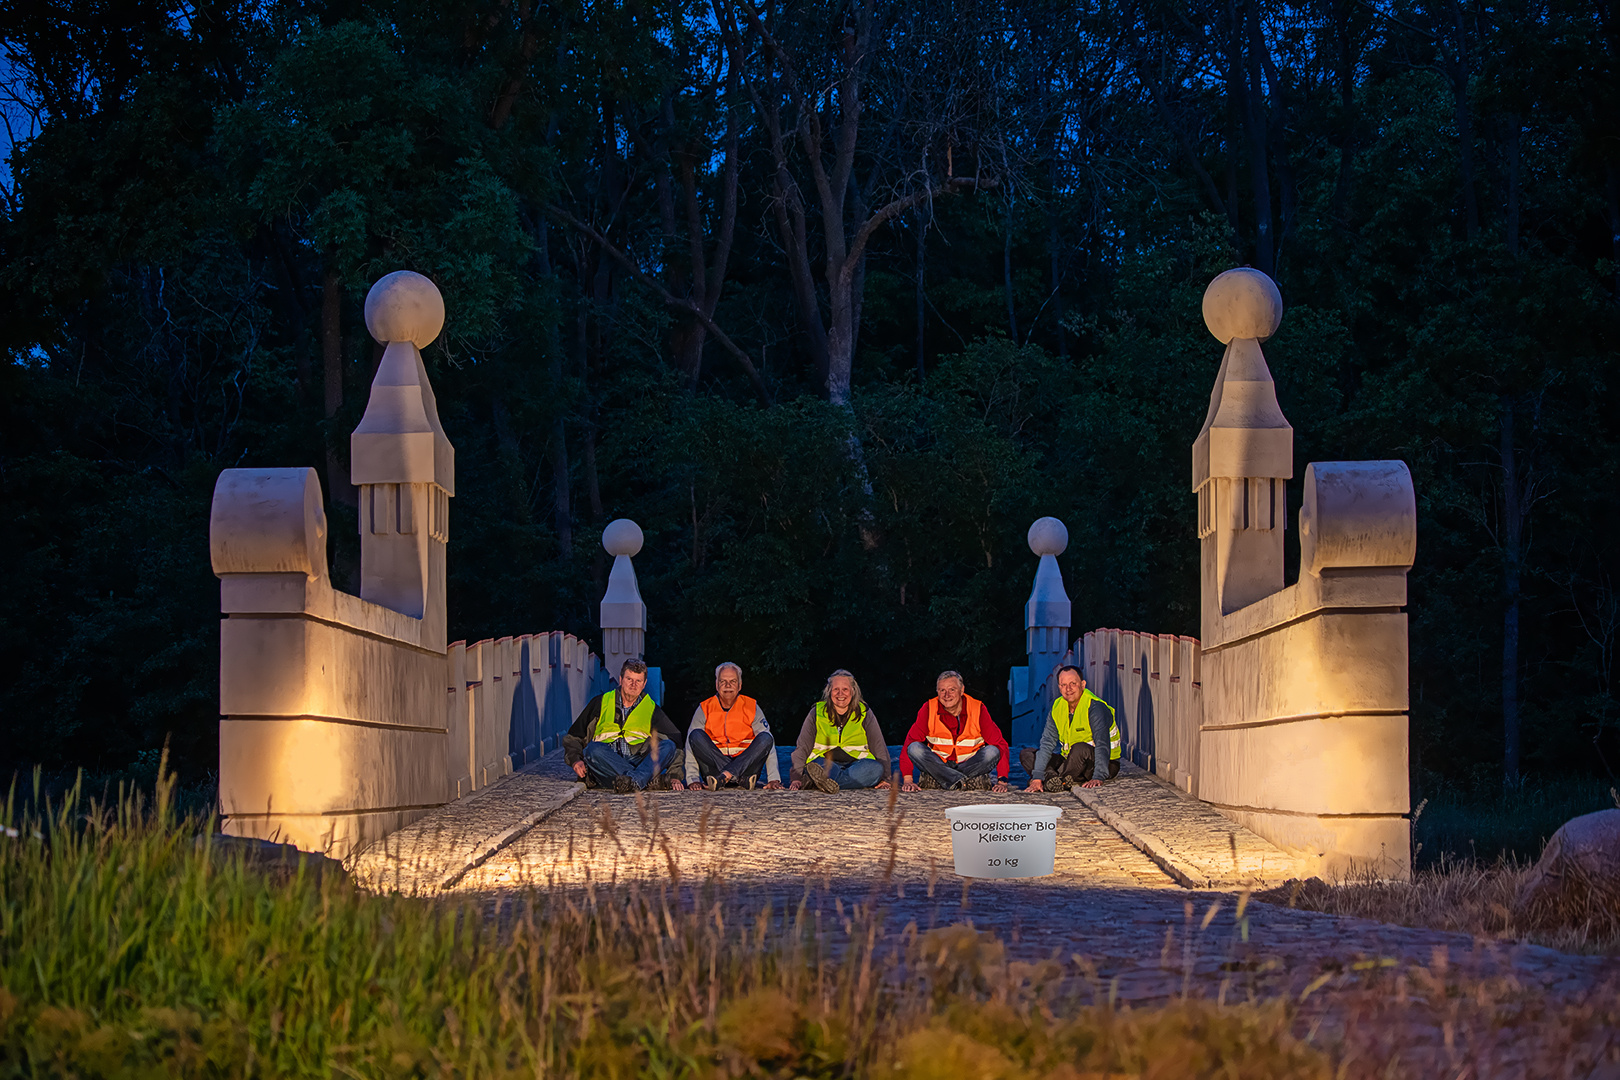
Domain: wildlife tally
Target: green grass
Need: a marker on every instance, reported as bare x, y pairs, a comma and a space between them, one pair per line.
1488, 822
130, 947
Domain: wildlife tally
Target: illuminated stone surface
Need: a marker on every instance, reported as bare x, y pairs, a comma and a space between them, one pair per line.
345, 718
1108, 911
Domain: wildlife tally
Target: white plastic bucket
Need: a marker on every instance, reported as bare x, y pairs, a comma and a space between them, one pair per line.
1007, 840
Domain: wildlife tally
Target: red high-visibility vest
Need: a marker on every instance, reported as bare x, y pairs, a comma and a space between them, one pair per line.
960, 746
731, 730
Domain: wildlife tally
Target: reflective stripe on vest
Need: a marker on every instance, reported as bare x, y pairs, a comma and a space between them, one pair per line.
850, 736
637, 725
1075, 727
731, 729
965, 743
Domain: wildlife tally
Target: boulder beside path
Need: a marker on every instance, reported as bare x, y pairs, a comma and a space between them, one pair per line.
1577, 878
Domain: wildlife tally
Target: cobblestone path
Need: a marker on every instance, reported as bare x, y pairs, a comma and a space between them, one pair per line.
1123, 927
1145, 936
1196, 844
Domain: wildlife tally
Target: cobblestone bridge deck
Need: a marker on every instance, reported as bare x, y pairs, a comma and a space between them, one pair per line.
1121, 904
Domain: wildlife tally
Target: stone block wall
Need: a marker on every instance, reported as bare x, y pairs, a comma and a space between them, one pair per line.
344, 718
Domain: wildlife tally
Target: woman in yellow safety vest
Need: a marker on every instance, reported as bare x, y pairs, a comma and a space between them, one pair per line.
840, 745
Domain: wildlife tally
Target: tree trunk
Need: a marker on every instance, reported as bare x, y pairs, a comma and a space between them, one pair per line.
1234, 123
1007, 272
561, 494
1254, 123
1510, 148
1456, 63
922, 287
1345, 74
1054, 244
337, 469
1512, 536
1613, 186
332, 335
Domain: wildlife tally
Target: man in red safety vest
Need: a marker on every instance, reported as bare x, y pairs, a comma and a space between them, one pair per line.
954, 742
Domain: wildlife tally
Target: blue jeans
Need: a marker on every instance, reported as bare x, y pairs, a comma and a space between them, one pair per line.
860, 773
605, 762
947, 775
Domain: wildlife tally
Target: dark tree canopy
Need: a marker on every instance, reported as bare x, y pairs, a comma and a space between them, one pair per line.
833, 299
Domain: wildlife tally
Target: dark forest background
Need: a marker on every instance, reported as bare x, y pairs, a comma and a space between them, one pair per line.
834, 300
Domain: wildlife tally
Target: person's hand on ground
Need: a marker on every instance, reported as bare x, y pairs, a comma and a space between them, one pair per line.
727, 778
1036, 785
910, 785
797, 785
1092, 783
774, 785
999, 788
579, 769
882, 785
676, 785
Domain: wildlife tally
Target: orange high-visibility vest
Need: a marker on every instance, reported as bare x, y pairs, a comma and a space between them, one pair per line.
964, 745
731, 731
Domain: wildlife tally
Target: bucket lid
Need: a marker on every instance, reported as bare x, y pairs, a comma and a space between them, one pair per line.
1005, 812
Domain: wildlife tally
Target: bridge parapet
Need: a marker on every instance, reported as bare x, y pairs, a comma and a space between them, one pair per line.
344, 718
1289, 715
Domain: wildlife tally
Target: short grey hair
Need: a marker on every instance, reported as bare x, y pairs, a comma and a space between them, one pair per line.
727, 664
633, 664
826, 692
949, 674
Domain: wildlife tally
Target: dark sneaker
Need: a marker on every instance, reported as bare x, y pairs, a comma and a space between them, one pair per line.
712, 783
623, 785
928, 783
816, 773
982, 782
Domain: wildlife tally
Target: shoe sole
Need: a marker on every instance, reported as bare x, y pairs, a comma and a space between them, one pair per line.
820, 780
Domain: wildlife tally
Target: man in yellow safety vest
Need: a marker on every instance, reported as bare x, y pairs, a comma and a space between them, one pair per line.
1080, 732
622, 740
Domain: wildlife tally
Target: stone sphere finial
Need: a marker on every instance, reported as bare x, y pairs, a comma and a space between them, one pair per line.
1048, 536
1242, 303
405, 306
622, 537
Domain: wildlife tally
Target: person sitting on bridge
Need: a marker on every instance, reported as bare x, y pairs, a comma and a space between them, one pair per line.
1080, 729
840, 745
954, 742
624, 741
728, 739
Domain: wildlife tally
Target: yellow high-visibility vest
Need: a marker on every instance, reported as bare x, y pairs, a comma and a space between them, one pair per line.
1075, 727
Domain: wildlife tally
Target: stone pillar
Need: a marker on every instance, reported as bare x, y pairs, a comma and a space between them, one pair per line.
624, 616
401, 460
1303, 736
1046, 630
1244, 454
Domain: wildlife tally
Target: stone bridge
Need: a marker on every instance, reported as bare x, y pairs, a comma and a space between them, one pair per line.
1274, 747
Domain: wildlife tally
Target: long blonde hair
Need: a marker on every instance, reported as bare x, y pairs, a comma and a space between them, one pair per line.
855, 702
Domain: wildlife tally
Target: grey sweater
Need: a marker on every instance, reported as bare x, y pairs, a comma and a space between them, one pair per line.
1102, 727
807, 743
